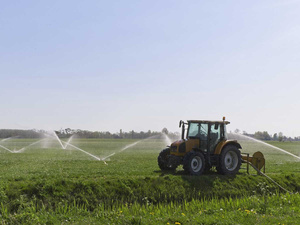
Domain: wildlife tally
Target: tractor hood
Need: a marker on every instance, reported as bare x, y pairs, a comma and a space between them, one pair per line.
176, 143
180, 147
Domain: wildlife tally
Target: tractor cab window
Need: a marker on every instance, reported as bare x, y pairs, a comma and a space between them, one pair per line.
203, 132
193, 131
225, 133
197, 130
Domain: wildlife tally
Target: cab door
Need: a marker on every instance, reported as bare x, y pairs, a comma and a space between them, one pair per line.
214, 136
203, 136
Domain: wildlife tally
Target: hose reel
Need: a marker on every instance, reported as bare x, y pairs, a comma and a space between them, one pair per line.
257, 161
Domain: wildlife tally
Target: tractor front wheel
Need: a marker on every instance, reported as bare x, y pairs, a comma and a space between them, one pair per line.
163, 161
194, 163
230, 160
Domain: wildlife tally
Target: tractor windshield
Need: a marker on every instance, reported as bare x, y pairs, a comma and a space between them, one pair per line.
193, 130
198, 130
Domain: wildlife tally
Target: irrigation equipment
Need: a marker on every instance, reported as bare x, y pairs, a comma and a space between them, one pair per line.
257, 161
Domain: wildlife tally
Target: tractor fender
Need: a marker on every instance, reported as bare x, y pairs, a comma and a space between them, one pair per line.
223, 144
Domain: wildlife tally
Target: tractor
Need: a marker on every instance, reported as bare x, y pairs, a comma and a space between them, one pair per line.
205, 146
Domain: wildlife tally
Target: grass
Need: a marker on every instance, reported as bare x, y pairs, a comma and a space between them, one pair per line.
46, 184
270, 209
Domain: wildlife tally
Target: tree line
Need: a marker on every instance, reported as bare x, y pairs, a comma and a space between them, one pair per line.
7, 133
68, 132
265, 136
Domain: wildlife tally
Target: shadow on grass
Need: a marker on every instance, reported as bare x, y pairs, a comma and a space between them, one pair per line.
209, 184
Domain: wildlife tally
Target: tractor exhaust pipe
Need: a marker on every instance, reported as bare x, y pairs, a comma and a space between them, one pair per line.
182, 125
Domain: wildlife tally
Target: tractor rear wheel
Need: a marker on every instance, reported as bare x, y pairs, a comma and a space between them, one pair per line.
230, 160
163, 161
194, 163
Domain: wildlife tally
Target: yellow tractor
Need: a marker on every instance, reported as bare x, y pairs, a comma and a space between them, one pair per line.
204, 146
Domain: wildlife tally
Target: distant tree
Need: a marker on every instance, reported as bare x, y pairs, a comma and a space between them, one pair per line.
266, 136
262, 135
68, 131
165, 131
6, 133
280, 136
236, 131
258, 135
275, 137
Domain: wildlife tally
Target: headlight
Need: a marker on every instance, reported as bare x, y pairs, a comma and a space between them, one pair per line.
173, 148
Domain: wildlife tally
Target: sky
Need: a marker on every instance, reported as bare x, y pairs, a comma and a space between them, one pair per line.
145, 65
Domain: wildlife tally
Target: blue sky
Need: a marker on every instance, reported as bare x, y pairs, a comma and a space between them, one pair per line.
140, 65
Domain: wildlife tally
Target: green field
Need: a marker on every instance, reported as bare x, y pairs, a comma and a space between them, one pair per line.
46, 184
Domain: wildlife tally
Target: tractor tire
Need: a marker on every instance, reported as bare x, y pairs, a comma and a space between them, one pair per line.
162, 160
230, 160
194, 163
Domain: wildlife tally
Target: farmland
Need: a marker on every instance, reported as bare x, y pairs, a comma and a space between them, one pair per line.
48, 184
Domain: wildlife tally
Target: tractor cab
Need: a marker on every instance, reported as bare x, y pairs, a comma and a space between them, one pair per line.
202, 135
208, 133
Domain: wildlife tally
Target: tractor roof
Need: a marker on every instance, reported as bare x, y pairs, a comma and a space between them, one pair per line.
208, 121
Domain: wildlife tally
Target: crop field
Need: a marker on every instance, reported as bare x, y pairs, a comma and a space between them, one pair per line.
44, 183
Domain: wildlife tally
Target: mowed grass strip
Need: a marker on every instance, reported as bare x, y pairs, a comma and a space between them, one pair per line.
268, 209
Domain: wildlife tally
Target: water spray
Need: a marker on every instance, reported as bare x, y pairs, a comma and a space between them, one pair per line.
68, 142
82, 151
103, 159
126, 147
57, 138
123, 149
167, 139
5, 139
1, 146
272, 146
24, 148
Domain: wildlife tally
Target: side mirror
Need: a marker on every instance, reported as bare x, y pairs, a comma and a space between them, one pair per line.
180, 122
216, 126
